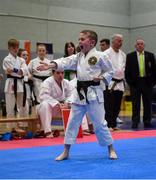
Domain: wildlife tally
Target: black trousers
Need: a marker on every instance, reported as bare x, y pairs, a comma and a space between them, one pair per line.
112, 103
145, 90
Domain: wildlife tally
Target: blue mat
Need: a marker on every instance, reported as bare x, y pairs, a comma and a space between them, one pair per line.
137, 159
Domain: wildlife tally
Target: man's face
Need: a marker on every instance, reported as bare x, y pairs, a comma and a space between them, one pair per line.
117, 42
41, 52
104, 46
85, 43
58, 76
140, 45
13, 50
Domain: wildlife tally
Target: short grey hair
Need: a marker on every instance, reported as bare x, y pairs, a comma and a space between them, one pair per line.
117, 35
141, 39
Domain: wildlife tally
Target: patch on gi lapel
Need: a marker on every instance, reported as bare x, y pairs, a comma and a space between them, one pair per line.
92, 60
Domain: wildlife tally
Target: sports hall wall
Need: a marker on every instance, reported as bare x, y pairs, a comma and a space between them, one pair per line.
58, 21
143, 23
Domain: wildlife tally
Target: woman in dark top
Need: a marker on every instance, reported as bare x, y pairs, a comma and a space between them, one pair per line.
69, 50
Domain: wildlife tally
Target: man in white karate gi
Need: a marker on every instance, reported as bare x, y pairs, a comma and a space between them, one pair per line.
55, 94
92, 67
114, 92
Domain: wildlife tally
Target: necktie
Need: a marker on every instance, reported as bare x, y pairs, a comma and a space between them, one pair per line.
141, 65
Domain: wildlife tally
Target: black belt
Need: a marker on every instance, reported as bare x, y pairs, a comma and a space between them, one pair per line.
15, 83
31, 86
41, 77
116, 81
83, 85
30, 83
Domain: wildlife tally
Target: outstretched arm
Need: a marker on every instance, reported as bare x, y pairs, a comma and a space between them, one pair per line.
69, 62
44, 66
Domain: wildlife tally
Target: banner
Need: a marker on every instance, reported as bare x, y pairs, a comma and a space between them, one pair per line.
26, 45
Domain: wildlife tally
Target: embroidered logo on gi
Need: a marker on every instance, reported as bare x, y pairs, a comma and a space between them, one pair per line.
92, 60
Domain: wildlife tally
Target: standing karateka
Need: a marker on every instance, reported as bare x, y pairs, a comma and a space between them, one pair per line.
15, 69
92, 67
38, 76
114, 92
55, 94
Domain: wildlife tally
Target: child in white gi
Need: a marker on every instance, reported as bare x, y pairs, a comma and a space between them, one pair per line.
38, 76
15, 68
92, 67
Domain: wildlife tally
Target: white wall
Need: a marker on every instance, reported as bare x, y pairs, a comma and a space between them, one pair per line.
61, 20
143, 23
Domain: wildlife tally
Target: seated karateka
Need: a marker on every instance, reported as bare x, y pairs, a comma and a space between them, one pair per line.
55, 94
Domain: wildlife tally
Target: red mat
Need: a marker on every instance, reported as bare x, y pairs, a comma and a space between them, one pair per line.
59, 140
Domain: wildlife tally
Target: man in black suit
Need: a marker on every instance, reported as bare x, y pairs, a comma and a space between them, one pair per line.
140, 74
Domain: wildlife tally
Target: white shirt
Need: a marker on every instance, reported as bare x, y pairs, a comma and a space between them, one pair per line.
118, 60
87, 70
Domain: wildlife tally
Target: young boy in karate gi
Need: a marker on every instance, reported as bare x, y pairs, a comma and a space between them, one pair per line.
92, 67
15, 69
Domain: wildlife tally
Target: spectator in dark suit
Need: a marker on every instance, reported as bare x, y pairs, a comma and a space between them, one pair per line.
140, 74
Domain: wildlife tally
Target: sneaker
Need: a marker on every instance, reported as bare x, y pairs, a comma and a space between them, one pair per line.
56, 133
86, 132
116, 129
134, 125
49, 135
39, 134
148, 125
119, 121
111, 129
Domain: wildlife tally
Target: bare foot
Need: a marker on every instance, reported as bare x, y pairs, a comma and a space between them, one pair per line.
112, 155
62, 156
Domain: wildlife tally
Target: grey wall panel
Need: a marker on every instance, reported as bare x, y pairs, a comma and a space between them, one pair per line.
143, 13
48, 31
58, 21
104, 12
22, 29
143, 23
88, 17
115, 6
148, 34
32, 8
70, 32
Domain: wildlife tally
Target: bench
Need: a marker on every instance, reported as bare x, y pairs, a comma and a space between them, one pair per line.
33, 120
